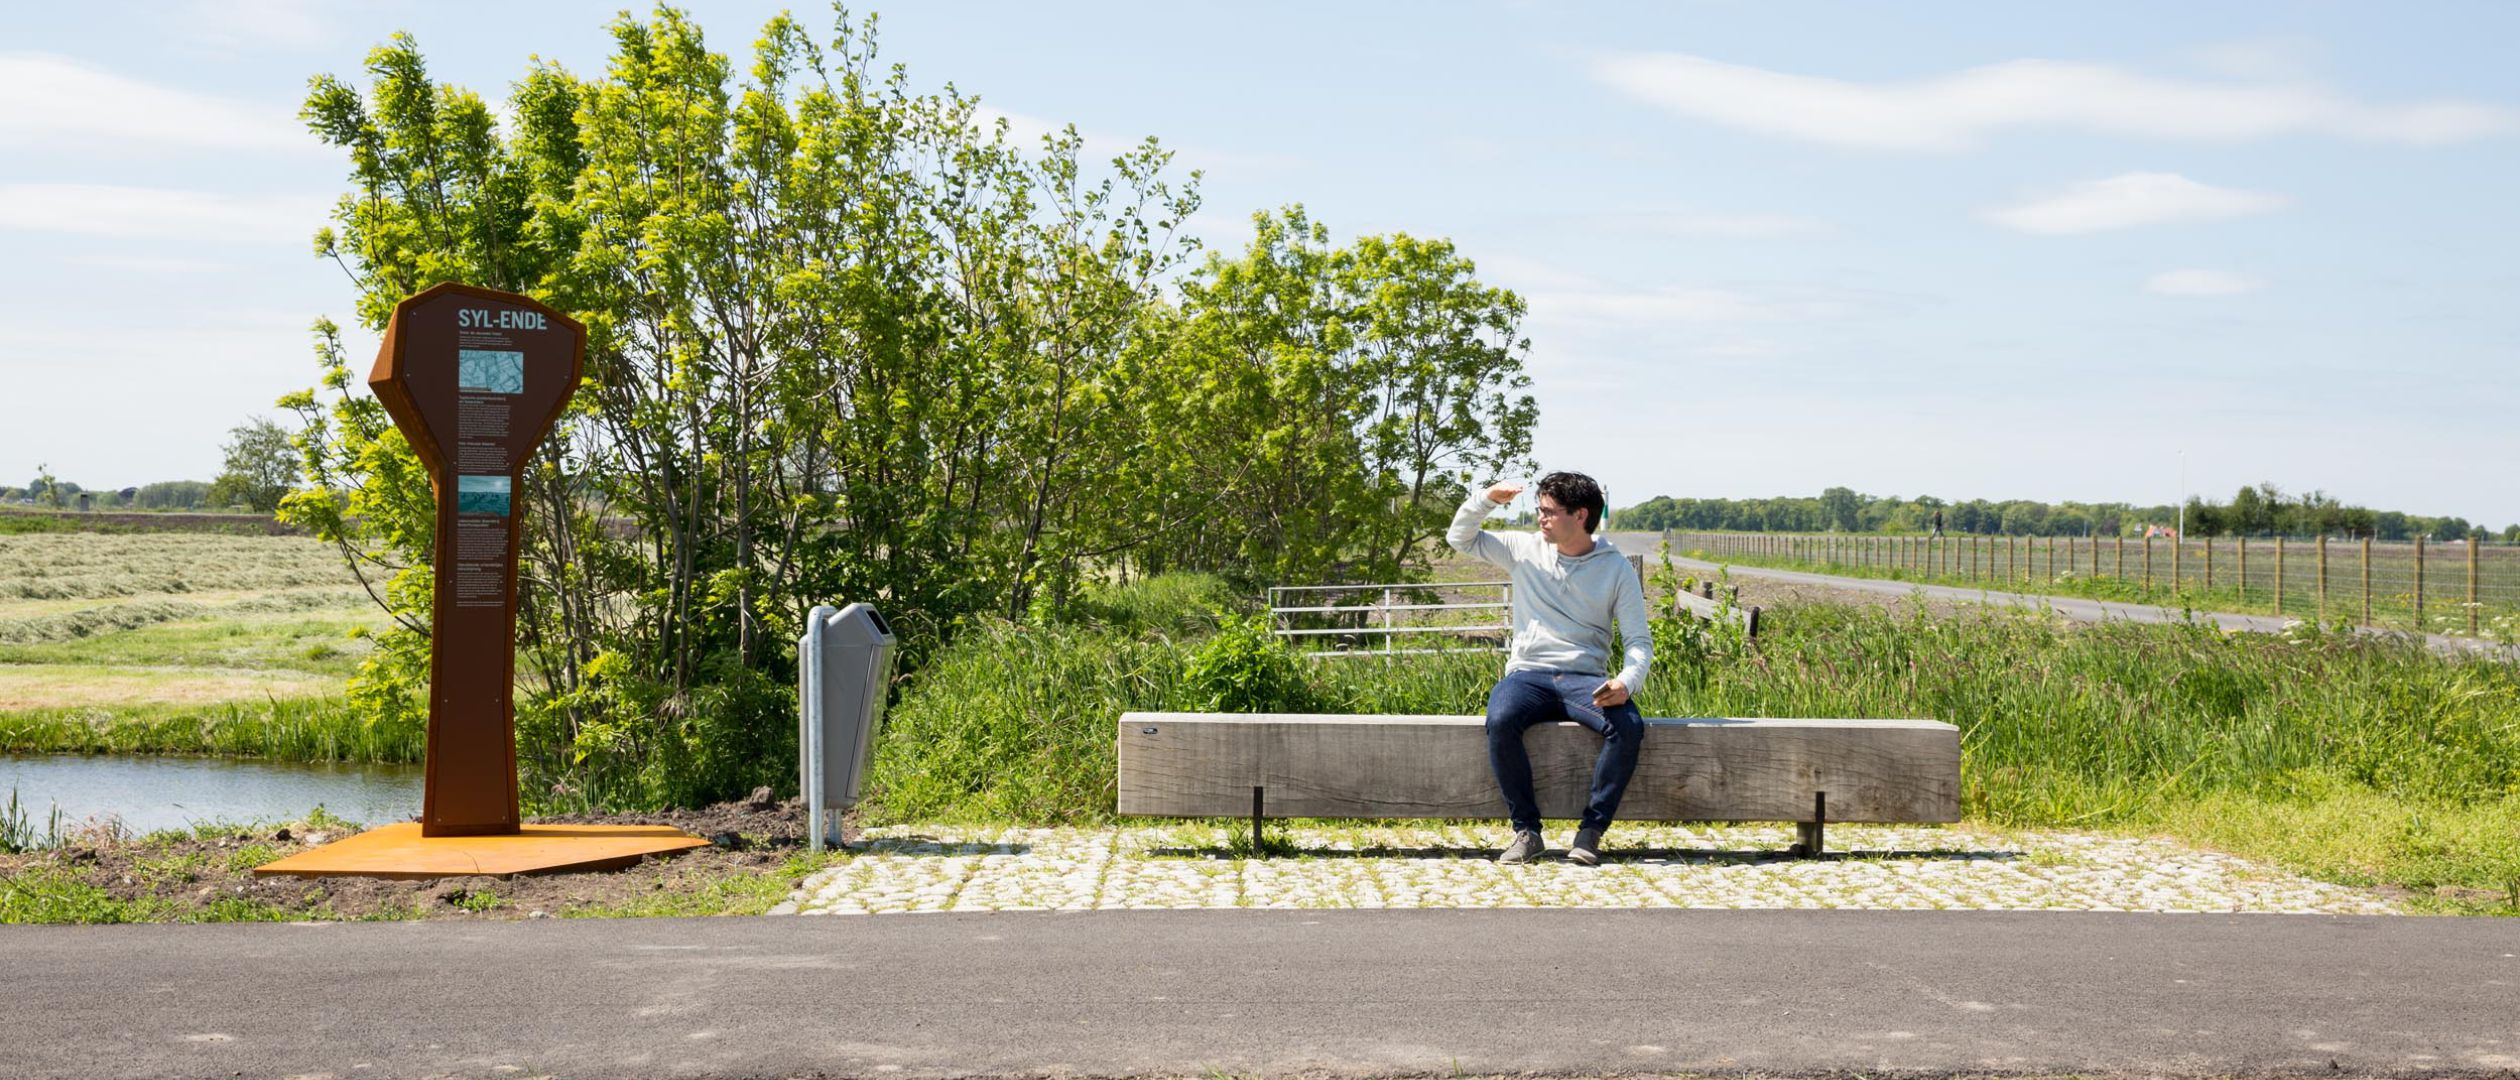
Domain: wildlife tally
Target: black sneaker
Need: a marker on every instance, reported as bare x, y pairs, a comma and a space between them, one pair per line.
1586, 849
1526, 847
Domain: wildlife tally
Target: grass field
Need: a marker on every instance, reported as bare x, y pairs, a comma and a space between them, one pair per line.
2205, 575
2363, 762
181, 642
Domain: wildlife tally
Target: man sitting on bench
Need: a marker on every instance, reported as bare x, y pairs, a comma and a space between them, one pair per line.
1567, 589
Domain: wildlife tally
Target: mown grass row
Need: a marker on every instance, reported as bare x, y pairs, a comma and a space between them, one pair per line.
2363, 761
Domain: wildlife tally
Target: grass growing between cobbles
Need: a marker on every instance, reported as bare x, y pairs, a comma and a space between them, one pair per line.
2354, 760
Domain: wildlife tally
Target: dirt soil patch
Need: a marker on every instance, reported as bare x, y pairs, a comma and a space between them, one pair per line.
756, 853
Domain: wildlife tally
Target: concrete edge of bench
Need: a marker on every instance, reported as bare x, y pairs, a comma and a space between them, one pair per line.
1477, 721
1874, 771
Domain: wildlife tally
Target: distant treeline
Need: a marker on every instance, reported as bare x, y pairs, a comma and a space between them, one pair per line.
2263, 510
164, 495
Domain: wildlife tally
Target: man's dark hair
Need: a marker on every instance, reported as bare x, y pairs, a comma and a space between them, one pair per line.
1574, 491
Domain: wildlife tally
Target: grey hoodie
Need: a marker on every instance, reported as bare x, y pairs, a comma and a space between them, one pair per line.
1562, 606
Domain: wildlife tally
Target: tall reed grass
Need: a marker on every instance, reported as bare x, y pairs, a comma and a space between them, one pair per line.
276, 729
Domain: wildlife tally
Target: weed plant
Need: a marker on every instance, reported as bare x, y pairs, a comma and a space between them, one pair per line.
18, 832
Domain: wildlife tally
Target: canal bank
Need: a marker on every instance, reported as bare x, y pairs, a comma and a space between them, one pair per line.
142, 794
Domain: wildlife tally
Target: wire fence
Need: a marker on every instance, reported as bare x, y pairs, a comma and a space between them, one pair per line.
2458, 588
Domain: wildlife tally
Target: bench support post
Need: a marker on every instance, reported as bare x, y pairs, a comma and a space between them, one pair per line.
1810, 832
1256, 846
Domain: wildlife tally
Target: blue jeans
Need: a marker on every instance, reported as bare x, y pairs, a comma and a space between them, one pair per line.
1524, 698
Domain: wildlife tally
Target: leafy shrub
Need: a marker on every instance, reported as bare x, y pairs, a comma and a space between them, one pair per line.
1244, 668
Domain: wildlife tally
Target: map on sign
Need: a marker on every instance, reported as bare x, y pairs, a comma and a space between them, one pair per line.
481, 495
490, 371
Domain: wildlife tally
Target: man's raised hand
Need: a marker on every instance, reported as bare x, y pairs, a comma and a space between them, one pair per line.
1504, 492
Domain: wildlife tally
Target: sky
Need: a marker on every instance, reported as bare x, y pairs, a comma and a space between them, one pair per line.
2096, 251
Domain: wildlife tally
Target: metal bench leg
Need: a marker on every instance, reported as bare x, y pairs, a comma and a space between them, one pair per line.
1810, 842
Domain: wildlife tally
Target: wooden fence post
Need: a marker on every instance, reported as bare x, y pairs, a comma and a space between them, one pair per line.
2419, 584
2471, 604
2244, 571
2120, 572
2323, 576
2147, 562
2209, 563
2178, 546
2279, 575
2366, 556
2051, 546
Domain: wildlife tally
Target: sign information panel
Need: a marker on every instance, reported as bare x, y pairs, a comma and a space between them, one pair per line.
475, 378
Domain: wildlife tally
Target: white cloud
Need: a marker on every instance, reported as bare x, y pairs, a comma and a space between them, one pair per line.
1527, 276
263, 24
55, 100
2121, 202
151, 264
1964, 108
1724, 226
103, 210
2202, 283
2280, 58
1676, 304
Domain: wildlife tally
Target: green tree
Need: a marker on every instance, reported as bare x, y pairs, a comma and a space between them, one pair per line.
846, 341
261, 467
172, 495
1843, 508
1439, 358
47, 488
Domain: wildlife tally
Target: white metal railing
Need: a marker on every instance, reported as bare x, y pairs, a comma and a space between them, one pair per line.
1382, 616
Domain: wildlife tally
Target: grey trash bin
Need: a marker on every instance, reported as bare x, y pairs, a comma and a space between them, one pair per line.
843, 665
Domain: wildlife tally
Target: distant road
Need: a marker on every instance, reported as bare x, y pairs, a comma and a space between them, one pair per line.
1187, 993
2072, 607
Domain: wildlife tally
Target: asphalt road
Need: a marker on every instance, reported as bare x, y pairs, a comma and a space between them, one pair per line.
2072, 607
1187, 992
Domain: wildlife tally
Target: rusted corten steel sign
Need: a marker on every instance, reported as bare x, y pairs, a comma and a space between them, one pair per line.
475, 378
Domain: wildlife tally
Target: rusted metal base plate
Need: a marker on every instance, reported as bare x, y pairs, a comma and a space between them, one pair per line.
399, 851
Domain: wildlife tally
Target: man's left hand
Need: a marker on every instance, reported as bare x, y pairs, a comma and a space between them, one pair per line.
1610, 693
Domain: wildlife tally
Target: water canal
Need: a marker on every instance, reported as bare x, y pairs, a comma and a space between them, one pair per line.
147, 794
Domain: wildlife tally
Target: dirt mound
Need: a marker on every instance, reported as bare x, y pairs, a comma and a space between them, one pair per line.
756, 822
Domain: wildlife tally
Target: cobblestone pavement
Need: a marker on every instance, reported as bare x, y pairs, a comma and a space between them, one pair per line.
912, 868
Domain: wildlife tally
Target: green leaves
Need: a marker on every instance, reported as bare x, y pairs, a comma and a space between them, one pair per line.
846, 341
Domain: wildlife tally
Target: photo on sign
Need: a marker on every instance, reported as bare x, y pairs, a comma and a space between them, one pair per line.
481, 495
490, 371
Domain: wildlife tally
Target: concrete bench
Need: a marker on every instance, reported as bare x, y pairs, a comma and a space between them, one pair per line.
1283, 765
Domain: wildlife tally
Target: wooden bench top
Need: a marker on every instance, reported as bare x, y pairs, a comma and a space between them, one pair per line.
1385, 766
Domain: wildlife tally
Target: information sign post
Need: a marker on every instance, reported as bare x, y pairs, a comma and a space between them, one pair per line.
475, 378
